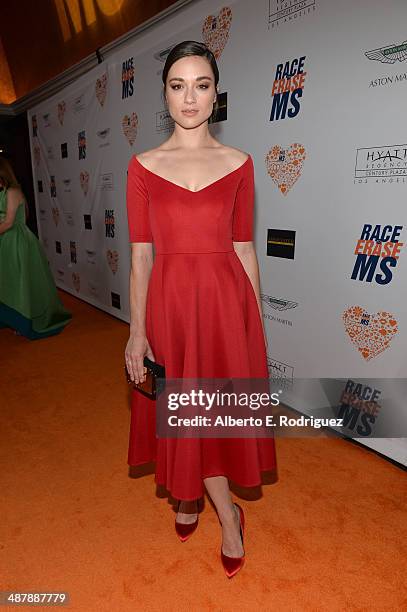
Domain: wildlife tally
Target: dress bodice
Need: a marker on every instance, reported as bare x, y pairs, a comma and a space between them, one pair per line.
179, 220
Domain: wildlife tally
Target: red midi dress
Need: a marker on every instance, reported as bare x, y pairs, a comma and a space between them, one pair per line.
202, 318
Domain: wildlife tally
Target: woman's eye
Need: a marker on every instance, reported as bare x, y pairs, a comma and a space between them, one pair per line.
177, 86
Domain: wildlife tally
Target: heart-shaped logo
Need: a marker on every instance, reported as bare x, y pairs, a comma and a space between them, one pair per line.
129, 126
284, 165
215, 30
61, 111
37, 154
76, 280
112, 260
101, 88
84, 180
371, 334
55, 214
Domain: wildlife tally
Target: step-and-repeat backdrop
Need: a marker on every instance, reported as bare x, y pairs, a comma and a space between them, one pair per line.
316, 92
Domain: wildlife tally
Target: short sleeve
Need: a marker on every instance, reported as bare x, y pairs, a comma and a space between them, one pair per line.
137, 204
242, 225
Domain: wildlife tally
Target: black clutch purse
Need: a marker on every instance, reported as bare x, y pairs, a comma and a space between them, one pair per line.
150, 386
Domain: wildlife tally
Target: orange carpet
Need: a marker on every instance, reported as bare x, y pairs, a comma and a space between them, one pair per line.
329, 533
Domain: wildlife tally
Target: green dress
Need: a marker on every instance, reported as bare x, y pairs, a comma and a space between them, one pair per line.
29, 301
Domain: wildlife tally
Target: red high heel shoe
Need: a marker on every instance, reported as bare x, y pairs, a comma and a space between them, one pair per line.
233, 564
185, 531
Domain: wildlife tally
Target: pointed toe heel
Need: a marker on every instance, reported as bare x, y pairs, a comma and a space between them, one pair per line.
185, 531
232, 565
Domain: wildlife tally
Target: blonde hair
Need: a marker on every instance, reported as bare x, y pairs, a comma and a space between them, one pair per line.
9, 178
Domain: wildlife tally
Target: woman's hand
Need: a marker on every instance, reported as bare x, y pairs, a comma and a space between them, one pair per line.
137, 347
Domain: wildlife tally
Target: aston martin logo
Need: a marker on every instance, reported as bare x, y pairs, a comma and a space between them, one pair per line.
389, 55
277, 303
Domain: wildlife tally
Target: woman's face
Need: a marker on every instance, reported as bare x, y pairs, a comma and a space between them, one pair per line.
190, 86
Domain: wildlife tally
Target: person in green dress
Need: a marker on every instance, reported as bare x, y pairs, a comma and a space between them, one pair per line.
29, 301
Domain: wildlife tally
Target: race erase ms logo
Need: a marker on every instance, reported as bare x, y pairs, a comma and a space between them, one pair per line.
377, 251
287, 88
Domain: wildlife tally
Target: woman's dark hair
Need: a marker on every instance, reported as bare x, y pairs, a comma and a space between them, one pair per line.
190, 47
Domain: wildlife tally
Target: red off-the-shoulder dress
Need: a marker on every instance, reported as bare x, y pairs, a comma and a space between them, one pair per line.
202, 318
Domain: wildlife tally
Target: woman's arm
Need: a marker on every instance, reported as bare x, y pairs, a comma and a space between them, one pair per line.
14, 198
247, 255
141, 265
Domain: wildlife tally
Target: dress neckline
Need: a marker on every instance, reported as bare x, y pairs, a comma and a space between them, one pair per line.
190, 190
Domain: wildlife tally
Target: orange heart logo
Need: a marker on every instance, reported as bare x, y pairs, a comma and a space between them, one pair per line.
61, 112
101, 88
215, 30
84, 180
371, 334
112, 260
55, 214
76, 279
129, 126
284, 165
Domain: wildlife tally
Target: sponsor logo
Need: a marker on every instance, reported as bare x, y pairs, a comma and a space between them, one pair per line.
385, 164
53, 187
359, 407
103, 136
115, 300
84, 181
106, 181
34, 125
215, 30
109, 223
129, 127
287, 89
72, 248
69, 218
281, 372
390, 54
285, 11
67, 185
371, 334
284, 165
112, 260
79, 103
90, 257
101, 89
128, 78
378, 247
76, 281
82, 144
88, 221
55, 214
61, 112
277, 304
281, 243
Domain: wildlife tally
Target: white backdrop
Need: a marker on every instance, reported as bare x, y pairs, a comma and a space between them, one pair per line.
333, 166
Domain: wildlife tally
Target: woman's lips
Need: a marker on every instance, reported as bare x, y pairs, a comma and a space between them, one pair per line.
190, 113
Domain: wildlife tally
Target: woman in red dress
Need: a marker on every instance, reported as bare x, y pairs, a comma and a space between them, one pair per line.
195, 307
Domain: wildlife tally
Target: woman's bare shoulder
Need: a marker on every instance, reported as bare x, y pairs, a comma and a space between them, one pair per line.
237, 154
15, 195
